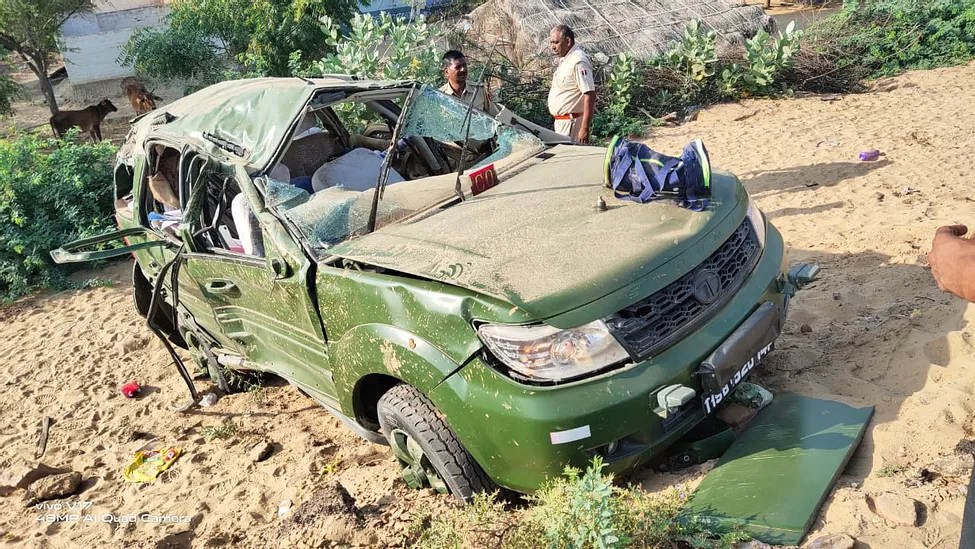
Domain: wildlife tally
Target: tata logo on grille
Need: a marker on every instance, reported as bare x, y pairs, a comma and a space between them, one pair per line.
706, 286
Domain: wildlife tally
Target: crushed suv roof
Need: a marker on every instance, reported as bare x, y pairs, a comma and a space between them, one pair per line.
240, 120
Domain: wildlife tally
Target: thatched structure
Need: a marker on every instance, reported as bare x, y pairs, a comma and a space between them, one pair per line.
641, 27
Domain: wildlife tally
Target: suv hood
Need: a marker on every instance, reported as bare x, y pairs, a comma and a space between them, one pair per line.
537, 240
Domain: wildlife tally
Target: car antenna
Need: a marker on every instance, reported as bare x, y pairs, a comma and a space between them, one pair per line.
308, 81
388, 160
467, 117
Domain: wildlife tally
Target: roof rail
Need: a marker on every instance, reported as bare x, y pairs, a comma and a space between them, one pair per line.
346, 77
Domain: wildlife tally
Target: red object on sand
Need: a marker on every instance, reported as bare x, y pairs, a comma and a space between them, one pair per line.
131, 389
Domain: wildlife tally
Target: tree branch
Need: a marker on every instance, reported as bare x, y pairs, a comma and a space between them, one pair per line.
11, 44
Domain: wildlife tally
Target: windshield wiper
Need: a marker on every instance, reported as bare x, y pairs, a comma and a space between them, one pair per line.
388, 160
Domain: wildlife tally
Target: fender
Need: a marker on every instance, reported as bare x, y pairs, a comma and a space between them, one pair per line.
384, 349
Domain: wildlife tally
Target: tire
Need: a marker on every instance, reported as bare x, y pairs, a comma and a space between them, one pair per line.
405, 411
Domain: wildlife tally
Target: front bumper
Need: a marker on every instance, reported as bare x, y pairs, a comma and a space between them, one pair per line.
523, 435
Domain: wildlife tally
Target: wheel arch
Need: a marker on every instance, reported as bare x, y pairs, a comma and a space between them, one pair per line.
366, 360
366, 395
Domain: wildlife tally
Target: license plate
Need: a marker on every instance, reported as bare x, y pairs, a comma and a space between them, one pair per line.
734, 359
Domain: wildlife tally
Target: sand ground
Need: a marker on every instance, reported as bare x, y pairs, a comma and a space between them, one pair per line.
882, 334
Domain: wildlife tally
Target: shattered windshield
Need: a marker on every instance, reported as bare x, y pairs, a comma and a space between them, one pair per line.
331, 203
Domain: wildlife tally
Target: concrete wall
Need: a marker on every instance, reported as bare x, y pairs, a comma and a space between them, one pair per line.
93, 41
101, 6
399, 7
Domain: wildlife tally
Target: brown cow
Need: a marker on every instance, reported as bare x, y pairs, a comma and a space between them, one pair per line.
89, 120
141, 99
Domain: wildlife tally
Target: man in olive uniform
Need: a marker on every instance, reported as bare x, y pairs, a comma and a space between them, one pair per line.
455, 72
572, 99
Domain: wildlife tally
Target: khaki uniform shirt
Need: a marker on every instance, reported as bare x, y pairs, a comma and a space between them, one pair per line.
573, 79
477, 94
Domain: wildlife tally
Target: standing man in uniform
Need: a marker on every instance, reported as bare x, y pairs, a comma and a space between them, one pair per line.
572, 99
455, 72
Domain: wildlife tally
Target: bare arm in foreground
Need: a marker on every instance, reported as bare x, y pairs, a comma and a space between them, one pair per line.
952, 260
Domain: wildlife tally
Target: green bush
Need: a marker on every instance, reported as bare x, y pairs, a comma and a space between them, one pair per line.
766, 58
172, 53
889, 36
10, 90
390, 48
51, 193
203, 37
623, 81
581, 510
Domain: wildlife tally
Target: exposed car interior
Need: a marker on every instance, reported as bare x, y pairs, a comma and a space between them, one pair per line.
338, 138
323, 178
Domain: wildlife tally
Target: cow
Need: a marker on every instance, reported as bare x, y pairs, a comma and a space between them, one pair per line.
88, 119
141, 99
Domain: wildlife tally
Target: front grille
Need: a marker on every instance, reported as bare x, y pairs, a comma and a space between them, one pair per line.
650, 325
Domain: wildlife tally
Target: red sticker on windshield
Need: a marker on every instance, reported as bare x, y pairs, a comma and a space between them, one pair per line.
483, 179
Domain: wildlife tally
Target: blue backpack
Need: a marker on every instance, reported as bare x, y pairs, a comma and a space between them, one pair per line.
636, 172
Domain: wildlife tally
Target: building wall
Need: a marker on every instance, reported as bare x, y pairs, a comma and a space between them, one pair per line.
101, 6
399, 7
93, 40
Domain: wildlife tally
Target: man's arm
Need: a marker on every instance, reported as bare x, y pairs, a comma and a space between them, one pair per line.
588, 110
584, 80
952, 260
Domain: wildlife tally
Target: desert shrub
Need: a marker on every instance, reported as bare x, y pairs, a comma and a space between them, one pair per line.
580, 510
390, 48
885, 37
10, 90
620, 86
766, 58
51, 193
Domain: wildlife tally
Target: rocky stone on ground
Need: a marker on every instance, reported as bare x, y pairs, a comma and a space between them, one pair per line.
954, 465
22, 473
261, 451
329, 517
832, 541
896, 508
53, 487
753, 544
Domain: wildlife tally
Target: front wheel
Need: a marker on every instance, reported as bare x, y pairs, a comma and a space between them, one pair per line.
427, 449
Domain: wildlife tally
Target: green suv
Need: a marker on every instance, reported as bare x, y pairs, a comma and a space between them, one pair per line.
460, 287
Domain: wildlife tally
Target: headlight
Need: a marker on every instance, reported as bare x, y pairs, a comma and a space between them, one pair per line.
544, 353
757, 218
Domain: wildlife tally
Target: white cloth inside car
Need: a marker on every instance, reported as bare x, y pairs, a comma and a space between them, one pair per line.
356, 170
241, 213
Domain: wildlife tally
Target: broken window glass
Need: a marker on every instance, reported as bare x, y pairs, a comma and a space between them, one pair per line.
441, 117
341, 211
284, 196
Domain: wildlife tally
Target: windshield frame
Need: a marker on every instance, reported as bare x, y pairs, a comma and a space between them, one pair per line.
320, 252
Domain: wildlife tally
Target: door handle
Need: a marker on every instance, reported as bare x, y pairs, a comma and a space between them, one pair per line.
220, 286
279, 269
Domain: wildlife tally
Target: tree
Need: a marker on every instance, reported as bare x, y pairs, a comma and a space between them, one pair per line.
9, 90
32, 29
203, 35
